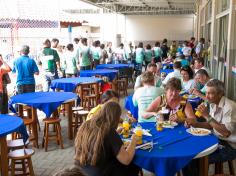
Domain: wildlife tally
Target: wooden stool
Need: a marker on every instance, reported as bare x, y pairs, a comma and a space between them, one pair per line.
219, 169
122, 87
22, 155
47, 136
17, 144
32, 128
78, 118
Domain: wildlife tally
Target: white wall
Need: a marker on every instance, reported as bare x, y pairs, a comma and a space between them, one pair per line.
152, 28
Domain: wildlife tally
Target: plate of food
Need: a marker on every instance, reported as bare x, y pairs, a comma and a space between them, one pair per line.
191, 96
198, 131
169, 124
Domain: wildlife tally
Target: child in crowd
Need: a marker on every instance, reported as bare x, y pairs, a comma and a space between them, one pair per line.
108, 95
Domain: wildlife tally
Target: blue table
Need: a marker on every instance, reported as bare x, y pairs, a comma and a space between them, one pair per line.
8, 125
111, 74
47, 102
168, 64
69, 84
167, 71
114, 66
175, 148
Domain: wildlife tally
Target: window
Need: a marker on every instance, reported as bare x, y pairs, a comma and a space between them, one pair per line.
222, 5
209, 10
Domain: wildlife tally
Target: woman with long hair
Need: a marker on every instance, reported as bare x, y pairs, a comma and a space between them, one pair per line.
99, 149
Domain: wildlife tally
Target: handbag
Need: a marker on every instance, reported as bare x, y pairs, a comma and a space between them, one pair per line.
6, 78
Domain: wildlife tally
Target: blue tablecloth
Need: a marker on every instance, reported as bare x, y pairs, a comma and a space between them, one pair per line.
10, 124
47, 102
128, 103
69, 84
114, 66
175, 149
111, 74
167, 64
167, 71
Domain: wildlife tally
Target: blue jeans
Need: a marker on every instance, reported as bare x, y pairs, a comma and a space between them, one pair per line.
25, 88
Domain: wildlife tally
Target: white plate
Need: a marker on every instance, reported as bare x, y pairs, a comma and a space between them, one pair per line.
171, 125
198, 131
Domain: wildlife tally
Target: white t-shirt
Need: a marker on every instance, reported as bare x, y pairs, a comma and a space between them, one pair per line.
174, 74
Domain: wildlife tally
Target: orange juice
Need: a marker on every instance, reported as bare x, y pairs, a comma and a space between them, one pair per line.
159, 127
126, 125
139, 135
125, 133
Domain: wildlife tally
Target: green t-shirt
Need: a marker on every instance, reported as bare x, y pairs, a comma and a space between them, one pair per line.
83, 54
148, 55
157, 51
49, 57
96, 53
139, 55
143, 97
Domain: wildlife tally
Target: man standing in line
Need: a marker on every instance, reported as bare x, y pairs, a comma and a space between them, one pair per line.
25, 68
50, 62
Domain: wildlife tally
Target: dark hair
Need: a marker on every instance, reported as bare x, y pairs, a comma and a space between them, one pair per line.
192, 38
84, 40
70, 46
164, 40
199, 60
76, 40
189, 70
202, 72
148, 46
96, 43
186, 43
74, 171
102, 46
55, 40
140, 45
157, 44
173, 83
218, 85
47, 43
202, 40
107, 95
25, 49
177, 65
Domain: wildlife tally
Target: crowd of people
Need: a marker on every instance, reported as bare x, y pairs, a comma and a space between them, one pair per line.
99, 149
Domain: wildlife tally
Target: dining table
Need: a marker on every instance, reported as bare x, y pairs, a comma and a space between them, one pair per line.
70, 84
173, 148
110, 73
9, 124
48, 102
114, 66
166, 71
